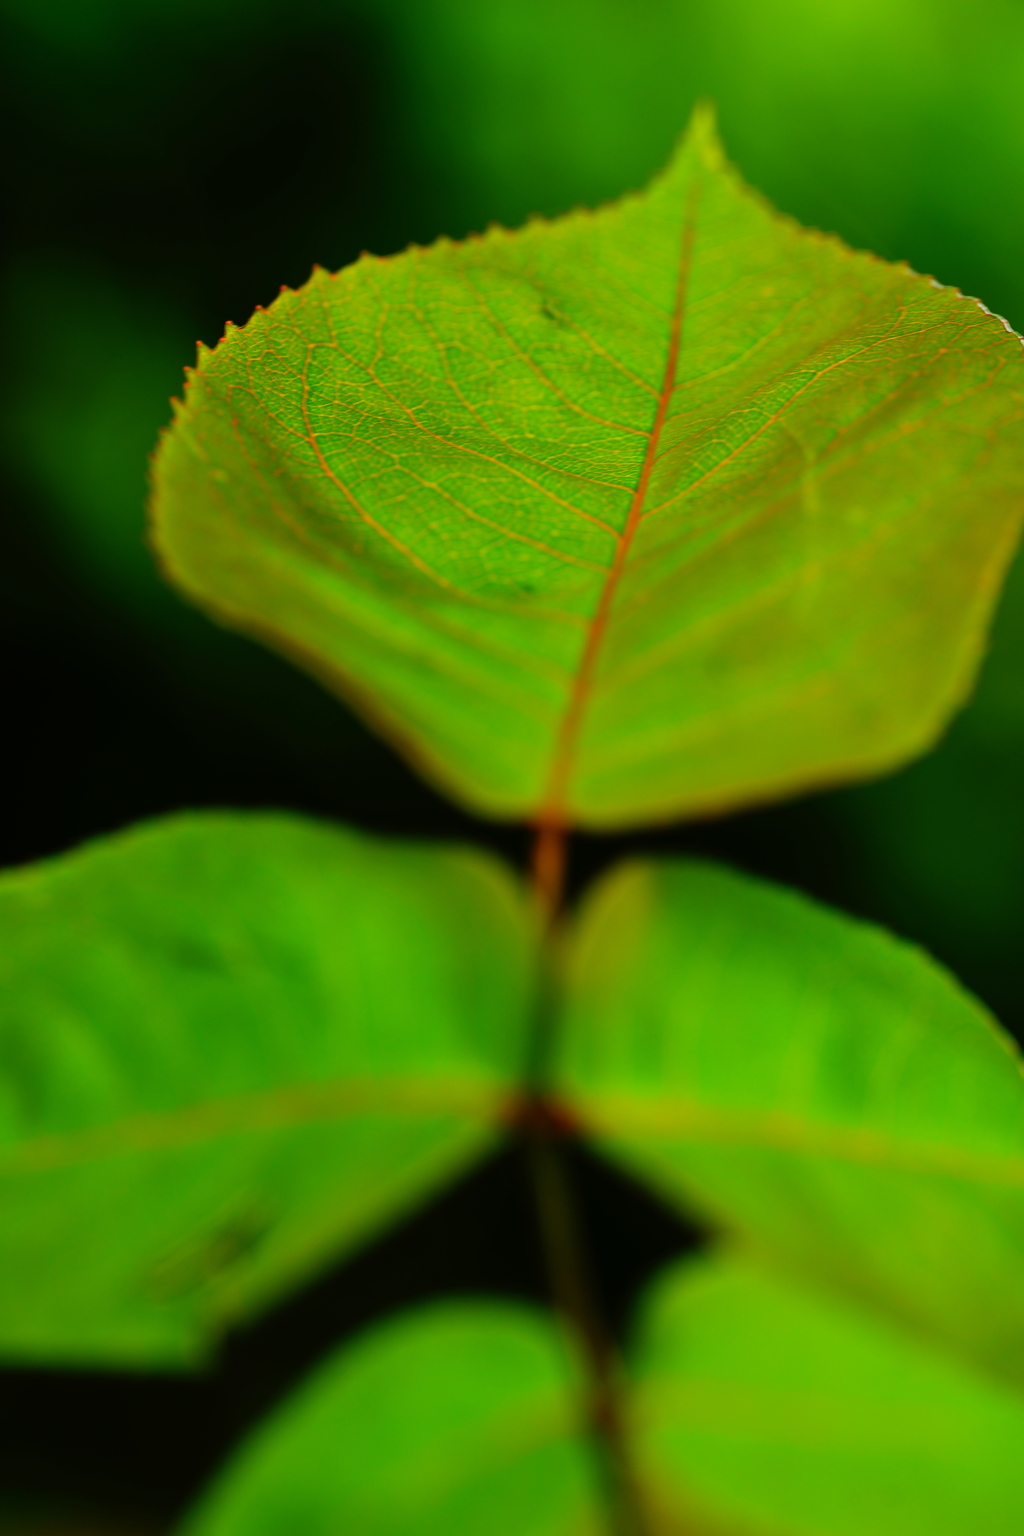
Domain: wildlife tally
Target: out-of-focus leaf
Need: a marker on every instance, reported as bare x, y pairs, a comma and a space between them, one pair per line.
231, 1047
453, 1420
788, 1412
811, 1083
752, 1407
643, 512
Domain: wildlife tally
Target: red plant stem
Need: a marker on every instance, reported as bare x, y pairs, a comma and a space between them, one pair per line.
551, 825
561, 1233
548, 869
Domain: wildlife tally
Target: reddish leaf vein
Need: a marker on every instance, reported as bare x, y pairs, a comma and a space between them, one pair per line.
552, 820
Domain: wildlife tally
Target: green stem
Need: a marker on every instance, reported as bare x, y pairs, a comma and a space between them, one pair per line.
561, 1232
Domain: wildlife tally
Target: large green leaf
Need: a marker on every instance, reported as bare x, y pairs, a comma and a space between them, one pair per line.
791, 1414
753, 1407
811, 1083
453, 1420
230, 1047
640, 512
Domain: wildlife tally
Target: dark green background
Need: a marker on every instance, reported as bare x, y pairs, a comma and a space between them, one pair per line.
167, 165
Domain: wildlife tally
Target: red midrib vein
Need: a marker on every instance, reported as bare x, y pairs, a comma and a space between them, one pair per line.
552, 815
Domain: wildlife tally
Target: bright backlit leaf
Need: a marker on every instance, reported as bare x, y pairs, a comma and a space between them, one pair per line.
231, 1047
810, 1083
453, 1420
789, 1413
640, 512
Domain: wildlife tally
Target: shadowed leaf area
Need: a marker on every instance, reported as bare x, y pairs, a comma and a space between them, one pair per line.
654, 510
233, 1047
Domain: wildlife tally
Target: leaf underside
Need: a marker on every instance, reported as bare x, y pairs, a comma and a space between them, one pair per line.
753, 1408
233, 1047
659, 509
811, 1084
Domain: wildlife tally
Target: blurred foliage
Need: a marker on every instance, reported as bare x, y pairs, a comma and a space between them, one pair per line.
897, 125
93, 382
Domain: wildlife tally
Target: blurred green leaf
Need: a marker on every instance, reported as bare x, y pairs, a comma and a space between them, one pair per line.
725, 520
455, 1419
753, 1407
231, 1048
810, 1083
787, 1412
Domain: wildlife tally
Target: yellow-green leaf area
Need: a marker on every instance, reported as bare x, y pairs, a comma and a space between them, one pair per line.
460, 1417
751, 1408
232, 1048
652, 510
812, 1085
776, 1410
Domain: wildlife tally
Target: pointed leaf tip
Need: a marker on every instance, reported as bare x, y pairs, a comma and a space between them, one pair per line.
610, 520
702, 133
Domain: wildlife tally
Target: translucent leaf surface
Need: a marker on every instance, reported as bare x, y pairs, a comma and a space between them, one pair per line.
454, 1420
652, 510
811, 1083
230, 1047
792, 1414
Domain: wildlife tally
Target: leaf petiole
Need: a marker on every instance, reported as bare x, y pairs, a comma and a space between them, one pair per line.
563, 1240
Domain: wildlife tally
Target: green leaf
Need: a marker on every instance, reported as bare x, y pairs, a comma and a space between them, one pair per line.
454, 1419
654, 510
232, 1047
810, 1083
789, 1413
753, 1407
